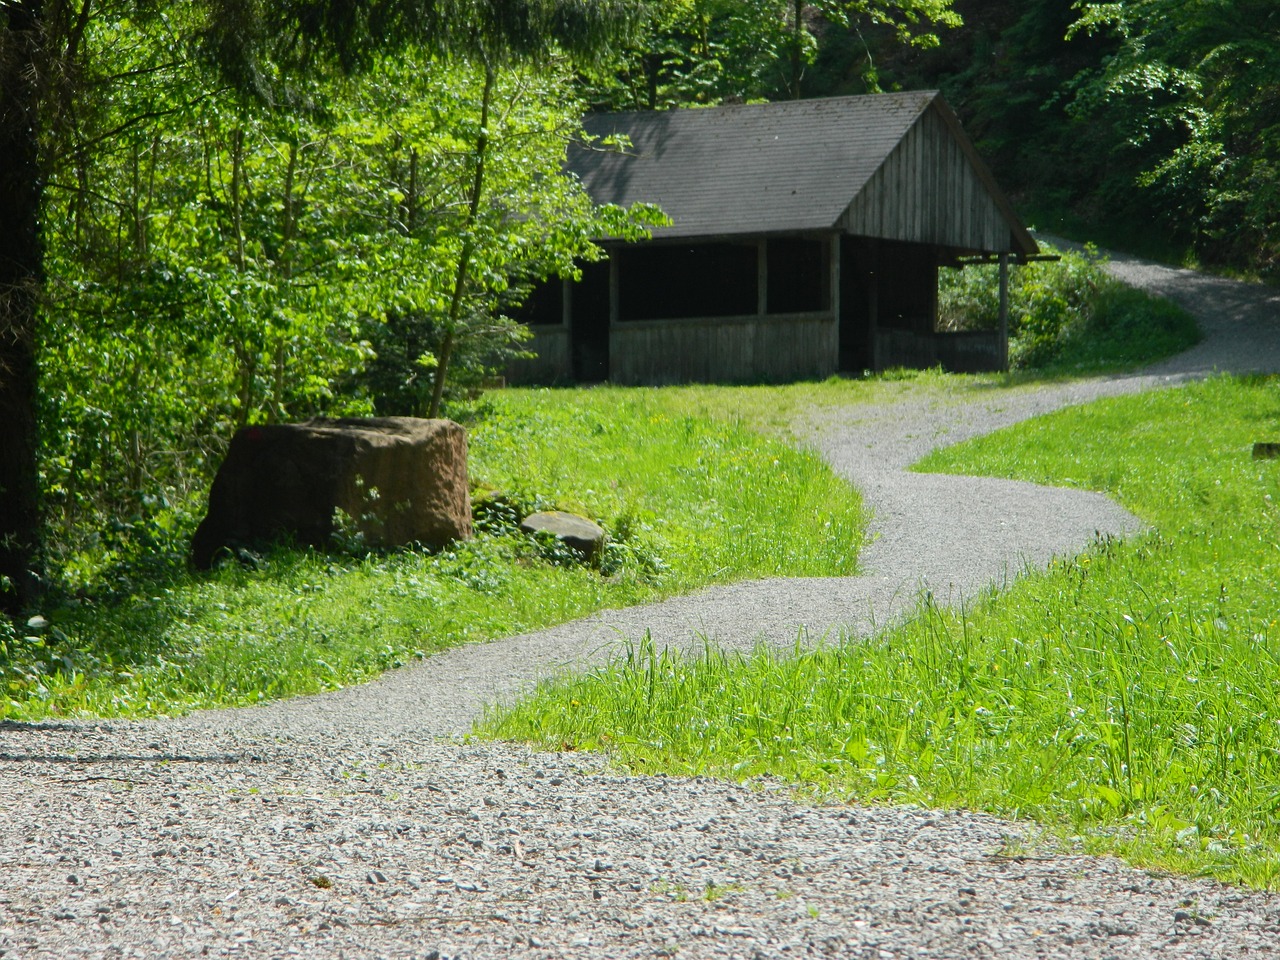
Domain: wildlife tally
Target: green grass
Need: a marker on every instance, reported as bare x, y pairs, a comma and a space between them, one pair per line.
690, 496
721, 501
1130, 695
696, 485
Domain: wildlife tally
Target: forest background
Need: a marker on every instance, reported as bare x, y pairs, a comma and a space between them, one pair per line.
228, 240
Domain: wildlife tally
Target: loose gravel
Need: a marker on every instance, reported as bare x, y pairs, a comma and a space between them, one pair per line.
353, 825
132, 844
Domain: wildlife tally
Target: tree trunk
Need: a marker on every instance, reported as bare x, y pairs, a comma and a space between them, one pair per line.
797, 48
21, 279
468, 248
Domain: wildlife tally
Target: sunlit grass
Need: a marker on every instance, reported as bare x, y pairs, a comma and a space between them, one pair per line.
723, 501
1130, 695
686, 482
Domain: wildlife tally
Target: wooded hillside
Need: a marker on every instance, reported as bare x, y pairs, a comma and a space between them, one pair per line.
1153, 122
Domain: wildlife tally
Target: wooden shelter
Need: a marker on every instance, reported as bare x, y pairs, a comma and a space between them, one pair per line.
805, 238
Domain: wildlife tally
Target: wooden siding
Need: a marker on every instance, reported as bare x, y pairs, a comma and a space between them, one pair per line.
928, 190
552, 363
772, 348
966, 352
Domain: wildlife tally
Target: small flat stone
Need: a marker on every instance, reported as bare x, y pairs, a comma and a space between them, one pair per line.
579, 533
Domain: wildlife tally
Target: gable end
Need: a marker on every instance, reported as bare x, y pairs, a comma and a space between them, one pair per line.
933, 188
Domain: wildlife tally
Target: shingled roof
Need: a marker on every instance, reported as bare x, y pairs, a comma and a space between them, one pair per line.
783, 167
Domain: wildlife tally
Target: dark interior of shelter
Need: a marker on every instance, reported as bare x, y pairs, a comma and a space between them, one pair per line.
799, 275
885, 285
671, 282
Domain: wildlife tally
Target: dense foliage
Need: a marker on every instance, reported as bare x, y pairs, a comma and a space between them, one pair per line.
711, 51
1153, 124
1194, 92
209, 175
213, 263
1066, 314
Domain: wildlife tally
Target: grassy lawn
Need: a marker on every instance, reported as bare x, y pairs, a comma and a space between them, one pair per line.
695, 485
1129, 697
689, 483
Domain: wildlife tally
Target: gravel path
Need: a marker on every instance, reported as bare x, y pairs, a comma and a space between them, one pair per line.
347, 825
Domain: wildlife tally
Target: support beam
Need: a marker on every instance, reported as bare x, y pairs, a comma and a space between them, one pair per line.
873, 303
833, 250
1004, 312
615, 295
932, 326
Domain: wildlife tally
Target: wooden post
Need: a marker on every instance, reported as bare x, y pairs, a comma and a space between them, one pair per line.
615, 296
833, 296
1004, 312
833, 250
933, 294
615, 306
873, 302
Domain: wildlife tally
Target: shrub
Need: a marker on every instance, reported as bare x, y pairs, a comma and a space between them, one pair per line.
1066, 314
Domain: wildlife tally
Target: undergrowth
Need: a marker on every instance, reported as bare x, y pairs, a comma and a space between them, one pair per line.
688, 499
1066, 315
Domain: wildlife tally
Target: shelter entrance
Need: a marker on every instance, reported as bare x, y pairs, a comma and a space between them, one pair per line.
589, 324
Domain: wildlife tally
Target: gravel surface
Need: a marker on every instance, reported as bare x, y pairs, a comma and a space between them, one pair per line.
351, 825
128, 843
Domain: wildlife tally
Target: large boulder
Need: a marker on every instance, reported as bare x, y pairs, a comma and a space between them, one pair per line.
401, 480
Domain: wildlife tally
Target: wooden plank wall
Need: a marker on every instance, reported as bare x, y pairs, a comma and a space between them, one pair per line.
552, 363
964, 352
927, 191
735, 349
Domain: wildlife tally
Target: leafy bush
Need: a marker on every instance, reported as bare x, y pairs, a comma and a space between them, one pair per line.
1066, 314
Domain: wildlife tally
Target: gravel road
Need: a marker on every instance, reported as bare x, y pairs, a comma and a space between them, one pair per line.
355, 825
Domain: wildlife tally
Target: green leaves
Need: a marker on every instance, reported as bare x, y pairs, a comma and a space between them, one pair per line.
709, 51
216, 264
1194, 87
256, 42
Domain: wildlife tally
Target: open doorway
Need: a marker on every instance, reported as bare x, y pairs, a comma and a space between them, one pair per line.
589, 324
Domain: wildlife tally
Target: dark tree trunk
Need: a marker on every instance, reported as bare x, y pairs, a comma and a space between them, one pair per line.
21, 280
797, 49
480, 156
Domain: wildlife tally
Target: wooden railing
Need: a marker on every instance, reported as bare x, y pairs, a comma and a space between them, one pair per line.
964, 352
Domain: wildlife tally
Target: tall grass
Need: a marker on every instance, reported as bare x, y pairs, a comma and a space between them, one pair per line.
688, 498
1130, 695
723, 501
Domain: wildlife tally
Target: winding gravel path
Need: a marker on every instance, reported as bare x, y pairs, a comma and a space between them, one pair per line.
351, 825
